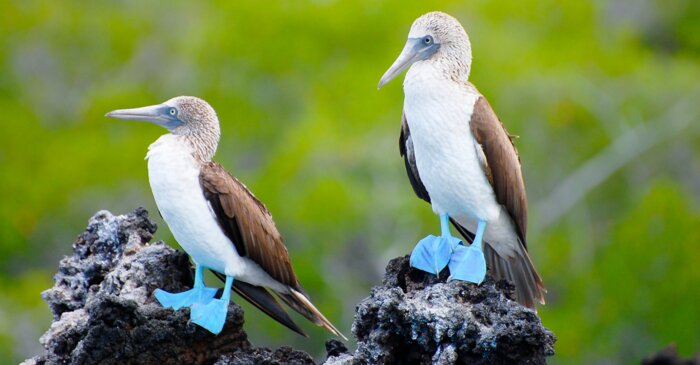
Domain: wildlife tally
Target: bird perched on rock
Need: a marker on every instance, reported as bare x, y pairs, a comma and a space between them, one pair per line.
216, 220
461, 160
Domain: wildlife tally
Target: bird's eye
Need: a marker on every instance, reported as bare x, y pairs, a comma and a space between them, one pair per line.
172, 111
428, 39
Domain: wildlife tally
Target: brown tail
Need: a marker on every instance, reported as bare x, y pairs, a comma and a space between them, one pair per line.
520, 271
301, 303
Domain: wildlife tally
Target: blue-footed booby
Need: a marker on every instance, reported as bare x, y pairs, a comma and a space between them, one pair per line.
216, 220
461, 160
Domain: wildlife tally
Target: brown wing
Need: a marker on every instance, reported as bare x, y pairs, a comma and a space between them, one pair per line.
502, 164
502, 167
247, 223
409, 159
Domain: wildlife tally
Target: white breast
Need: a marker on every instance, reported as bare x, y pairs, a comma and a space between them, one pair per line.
174, 177
449, 160
438, 113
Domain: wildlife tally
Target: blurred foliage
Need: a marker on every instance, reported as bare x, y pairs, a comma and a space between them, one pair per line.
294, 84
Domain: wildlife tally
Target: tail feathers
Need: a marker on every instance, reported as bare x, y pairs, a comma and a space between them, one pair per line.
300, 303
519, 270
263, 300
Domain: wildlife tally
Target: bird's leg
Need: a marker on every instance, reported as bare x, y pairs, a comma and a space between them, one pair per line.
479, 237
432, 254
468, 263
212, 315
198, 294
445, 225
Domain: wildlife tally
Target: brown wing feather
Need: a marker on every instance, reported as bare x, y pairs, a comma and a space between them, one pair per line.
409, 159
502, 164
247, 223
503, 170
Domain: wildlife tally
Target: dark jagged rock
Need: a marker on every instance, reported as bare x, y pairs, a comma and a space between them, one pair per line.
417, 318
283, 356
104, 312
669, 356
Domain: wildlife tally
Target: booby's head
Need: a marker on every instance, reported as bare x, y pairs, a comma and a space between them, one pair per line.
186, 116
438, 38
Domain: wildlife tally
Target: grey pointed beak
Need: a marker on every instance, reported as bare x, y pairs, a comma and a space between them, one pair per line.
414, 50
158, 114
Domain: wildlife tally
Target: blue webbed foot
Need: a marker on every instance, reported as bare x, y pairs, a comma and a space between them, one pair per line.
433, 253
468, 264
185, 299
211, 316
198, 294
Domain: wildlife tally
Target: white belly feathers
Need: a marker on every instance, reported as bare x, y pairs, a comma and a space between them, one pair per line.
448, 158
438, 113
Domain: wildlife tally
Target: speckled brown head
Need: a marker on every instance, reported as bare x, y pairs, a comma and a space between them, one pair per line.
437, 38
187, 116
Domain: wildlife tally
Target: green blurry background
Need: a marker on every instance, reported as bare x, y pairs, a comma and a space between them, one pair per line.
604, 94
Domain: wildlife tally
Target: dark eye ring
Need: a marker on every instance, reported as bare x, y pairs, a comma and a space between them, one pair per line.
428, 39
172, 111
